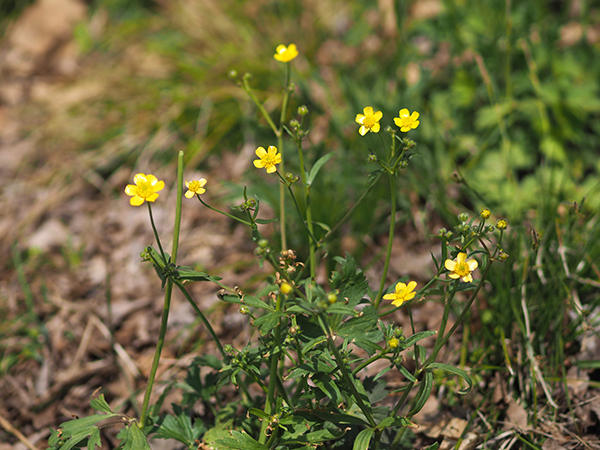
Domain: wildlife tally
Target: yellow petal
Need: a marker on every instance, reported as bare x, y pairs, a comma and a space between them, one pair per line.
189, 194
131, 189
202, 182
140, 178
454, 275
360, 118
377, 116
412, 285
152, 197
410, 296
258, 164
363, 130
461, 258
159, 186
404, 112
389, 296
450, 265
272, 150
397, 302
415, 124
151, 179
271, 169
414, 115
368, 111
280, 49
136, 201
473, 264
468, 278
375, 128
260, 152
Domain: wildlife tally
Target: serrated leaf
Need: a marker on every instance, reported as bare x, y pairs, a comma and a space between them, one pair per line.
99, 404
255, 302
268, 322
241, 441
135, 439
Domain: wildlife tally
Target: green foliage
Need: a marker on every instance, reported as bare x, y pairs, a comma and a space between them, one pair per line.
86, 430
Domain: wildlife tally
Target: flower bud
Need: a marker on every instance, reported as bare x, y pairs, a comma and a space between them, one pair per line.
247, 76
286, 288
502, 224
393, 343
303, 110
244, 310
331, 297
503, 256
463, 217
485, 214
294, 124
263, 243
442, 232
233, 74
372, 158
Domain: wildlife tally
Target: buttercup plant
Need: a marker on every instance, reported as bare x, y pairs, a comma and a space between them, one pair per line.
303, 381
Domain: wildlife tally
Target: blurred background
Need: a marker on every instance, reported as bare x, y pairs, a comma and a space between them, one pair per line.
94, 92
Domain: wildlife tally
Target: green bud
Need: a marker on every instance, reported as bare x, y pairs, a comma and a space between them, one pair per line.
263, 243
303, 110
463, 217
233, 74
331, 298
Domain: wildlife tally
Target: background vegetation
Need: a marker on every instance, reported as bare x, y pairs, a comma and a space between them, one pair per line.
508, 96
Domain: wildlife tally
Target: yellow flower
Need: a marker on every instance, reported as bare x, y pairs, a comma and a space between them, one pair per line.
393, 342
146, 188
285, 54
461, 268
485, 214
407, 121
369, 121
267, 160
286, 288
403, 293
195, 187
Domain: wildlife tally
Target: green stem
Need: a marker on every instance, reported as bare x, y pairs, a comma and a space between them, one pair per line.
349, 213
304, 222
203, 318
159, 346
162, 252
168, 290
308, 212
345, 374
224, 213
441, 341
390, 240
279, 134
273, 374
364, 364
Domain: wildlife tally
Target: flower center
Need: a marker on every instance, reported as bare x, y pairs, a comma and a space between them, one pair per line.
268, 160
145, 190
462, 269
368, 122
194, 186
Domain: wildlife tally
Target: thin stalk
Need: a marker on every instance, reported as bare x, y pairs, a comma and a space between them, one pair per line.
284, 106
349, 213
159, 346
168, 290
203, 318
440, 342
347, 377
304, 222
308, 212
390, 240
273, 375
224, 213
437, 346
162, 252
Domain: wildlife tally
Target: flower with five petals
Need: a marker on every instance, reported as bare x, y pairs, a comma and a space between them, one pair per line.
268, 159
369, 121
146, 188
403, 293
407, 121
459, 267
195, 187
